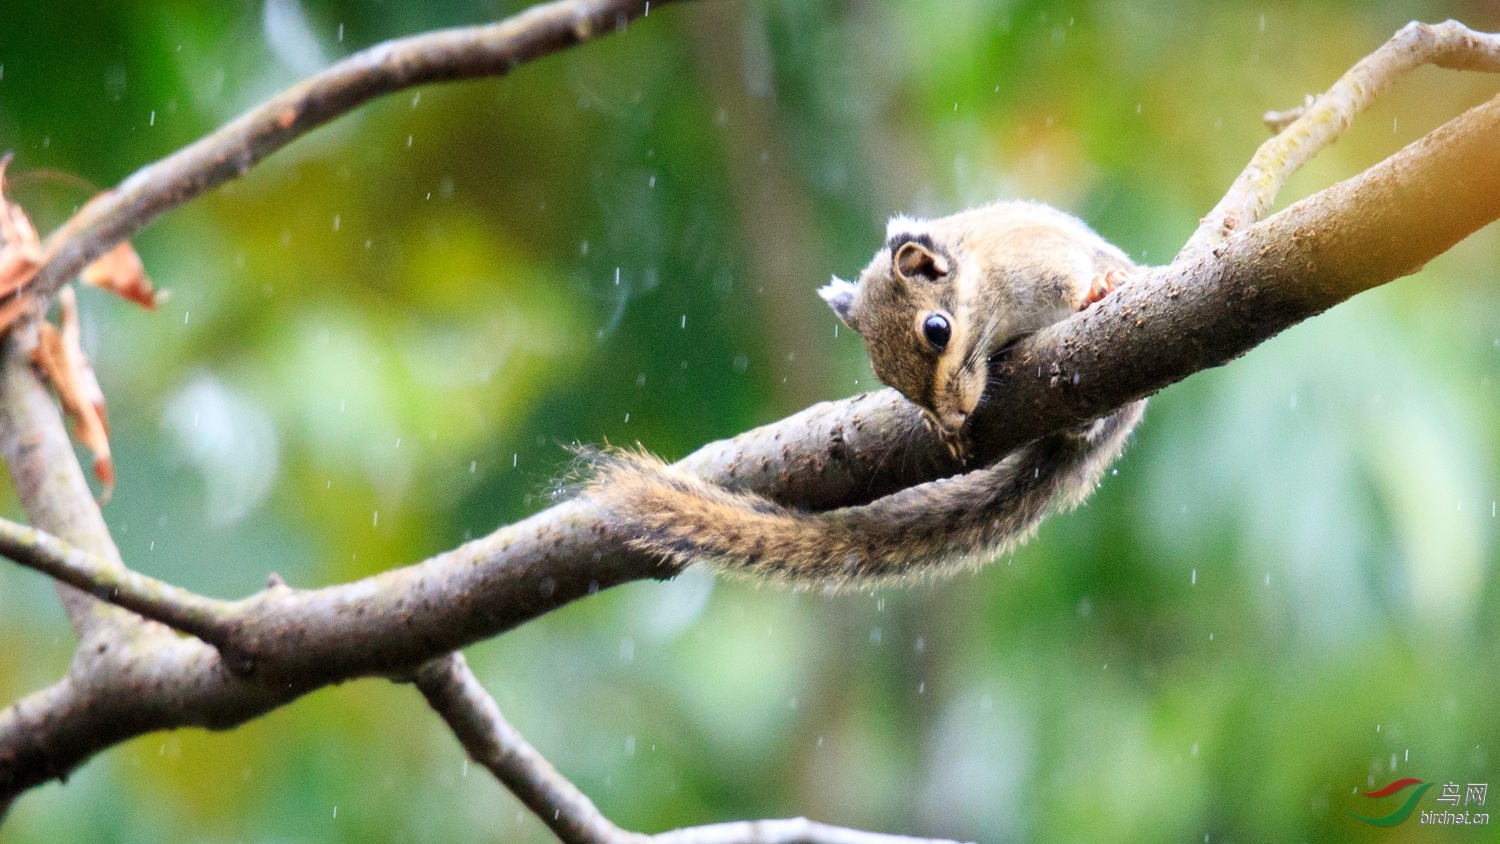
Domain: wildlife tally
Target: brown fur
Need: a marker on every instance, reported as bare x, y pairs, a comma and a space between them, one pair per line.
995, 273
928, 530
1004, 270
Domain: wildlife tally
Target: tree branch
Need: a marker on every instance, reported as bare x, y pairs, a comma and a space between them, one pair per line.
1210, 307
1303, 132
453, 691
51, 486
145, 596
230, 152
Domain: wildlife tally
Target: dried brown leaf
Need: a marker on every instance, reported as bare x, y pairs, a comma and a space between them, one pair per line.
59, 353
20, 248
121, 272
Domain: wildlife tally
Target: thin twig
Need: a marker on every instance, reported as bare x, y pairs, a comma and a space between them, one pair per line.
1305, 131
230, 152
145, 596
453, 691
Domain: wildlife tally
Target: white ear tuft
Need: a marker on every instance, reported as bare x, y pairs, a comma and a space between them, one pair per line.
902, 224
839, 295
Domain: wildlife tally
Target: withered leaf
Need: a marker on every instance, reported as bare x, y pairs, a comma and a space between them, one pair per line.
59, 353
20, 249
121, 272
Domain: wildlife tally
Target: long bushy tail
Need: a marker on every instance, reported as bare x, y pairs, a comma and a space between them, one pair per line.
914, 534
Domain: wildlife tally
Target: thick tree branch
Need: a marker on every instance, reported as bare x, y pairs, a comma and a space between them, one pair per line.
230, 152
456, 694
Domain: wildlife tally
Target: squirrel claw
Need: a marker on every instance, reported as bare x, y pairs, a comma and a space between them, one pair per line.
951, 439
1103, 284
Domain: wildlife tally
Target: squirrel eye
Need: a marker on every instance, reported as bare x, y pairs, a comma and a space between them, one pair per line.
935, 329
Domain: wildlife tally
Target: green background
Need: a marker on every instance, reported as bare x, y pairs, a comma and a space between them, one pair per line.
1286, 592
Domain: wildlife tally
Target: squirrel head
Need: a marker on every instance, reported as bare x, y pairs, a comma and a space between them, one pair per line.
942, 297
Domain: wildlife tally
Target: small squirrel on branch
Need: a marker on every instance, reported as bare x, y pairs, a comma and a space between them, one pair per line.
938, 302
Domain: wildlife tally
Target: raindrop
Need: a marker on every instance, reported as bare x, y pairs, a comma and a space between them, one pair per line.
341, 33
375, 519
153, 117
1193, 580
336, 222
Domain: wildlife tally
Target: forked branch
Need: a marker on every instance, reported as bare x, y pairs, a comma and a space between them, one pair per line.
1303, 132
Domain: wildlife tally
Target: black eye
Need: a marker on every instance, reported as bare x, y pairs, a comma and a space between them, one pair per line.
935, 329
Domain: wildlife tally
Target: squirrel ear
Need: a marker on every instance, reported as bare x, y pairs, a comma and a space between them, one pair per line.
839, 295
915, 261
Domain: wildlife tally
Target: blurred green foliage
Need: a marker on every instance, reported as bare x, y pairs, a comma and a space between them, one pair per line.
380, 339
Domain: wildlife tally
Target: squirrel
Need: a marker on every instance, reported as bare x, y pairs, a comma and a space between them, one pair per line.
938, 302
